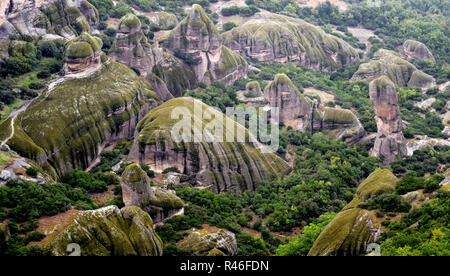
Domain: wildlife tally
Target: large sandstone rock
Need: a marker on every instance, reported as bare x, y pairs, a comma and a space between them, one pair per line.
67, 19
303, 114
83, 53
163, 19
132, 48
295, 109
219, 166
341, 124
159, 203
390, 64
197, 36
68, 126
417, 50
271, 37
202, 242
109, 231
349, 233
390, 143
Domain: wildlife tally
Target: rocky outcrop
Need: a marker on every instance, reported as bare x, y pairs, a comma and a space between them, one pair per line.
295, 109
303, 114
163, 19
417, 50
390, 143
203, 242
197, 37
219, 166
136, 191
390, 64
72, 121
66, 19
341, 124
176, 75
270, 37
132, 48
349, 233
109, 231
83, 53
253, 90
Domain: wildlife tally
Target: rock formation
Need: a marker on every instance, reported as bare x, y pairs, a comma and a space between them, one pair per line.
83, 53
109, 231
163, 19
4, 236
398, 70
72, 121
349, 233
203, 242
295, 109
390, 143
53, 18
177, 76
220, 166
196, 36
303, 114
417, 50
341, 124
136, 191
271, 37
132, 48
253, 89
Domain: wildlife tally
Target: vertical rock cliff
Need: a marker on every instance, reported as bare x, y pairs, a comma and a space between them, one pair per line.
390, 143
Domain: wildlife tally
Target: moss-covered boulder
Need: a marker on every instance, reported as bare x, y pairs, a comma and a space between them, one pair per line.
253, 89
109, 231
161, 204
390, 64
341, 124
219, 166
349, 233
83, 53
68, 126
203, 242
197, 37
271, 37
390, 143
417, 50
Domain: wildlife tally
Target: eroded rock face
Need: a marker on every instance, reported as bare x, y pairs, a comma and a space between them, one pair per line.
197, 36
390, 64
67, 19
341, 124
417, 50
349, 233
109, 231
390, 143
83, 53
271, 37
68, 126
219, 166
295, 109
132, 48
163, 19
218, 242
159, 203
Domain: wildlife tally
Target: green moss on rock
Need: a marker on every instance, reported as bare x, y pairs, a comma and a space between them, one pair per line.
109, 231
339, 116
378, 182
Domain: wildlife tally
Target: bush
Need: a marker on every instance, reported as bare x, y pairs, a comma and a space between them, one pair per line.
32, 171
43, 74
228, 26
36, 85
171, 169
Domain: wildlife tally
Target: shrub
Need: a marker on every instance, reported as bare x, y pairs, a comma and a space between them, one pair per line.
32, 171
171, 169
